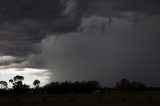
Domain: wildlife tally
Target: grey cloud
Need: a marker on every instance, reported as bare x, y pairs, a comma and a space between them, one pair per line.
17, 39
26, 22
66, 52
8, 60
115, 8
38, 10
125, 52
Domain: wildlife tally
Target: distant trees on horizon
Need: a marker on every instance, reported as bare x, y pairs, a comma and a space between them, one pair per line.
3, 85
36, 83
67, 87
125, 84
72, 87
18, 86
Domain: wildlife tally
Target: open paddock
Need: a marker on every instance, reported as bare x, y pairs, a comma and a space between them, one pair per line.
82, 100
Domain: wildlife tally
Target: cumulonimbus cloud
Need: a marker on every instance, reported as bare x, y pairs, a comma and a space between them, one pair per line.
46, 34
125, 52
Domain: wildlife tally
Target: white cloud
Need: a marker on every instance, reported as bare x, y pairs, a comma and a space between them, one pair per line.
9, 59
29, 75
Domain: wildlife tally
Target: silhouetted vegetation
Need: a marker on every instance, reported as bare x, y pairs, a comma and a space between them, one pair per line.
36, 89
126, 85
18, 86
51, 88
3, 85
36, 83
70, 87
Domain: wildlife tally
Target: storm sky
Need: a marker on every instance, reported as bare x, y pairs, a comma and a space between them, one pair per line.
58, 40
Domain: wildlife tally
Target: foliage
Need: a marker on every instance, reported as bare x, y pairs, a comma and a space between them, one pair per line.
3, 85
36, 89
36, 83
72, 87
125, 84
18, 78
66, 87
18, 86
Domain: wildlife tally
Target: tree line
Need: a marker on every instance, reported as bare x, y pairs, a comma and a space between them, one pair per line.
18, 87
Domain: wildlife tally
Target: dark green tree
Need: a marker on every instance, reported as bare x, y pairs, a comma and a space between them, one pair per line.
3, 85
11, 80
36, 83
18, 78
138, 86
18, 86
124, 84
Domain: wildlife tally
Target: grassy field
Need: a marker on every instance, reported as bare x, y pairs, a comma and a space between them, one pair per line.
82, 100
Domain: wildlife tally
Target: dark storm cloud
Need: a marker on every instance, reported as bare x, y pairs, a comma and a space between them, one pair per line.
24, 23
127, 52
17, 39
38, 10
49, 27
117, 7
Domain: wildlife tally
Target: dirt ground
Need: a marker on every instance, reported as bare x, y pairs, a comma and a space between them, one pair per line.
82, 100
